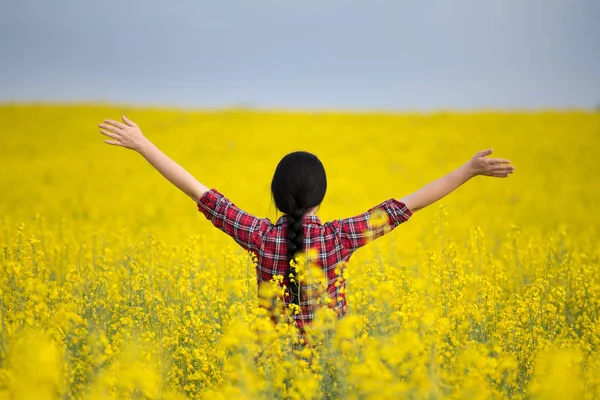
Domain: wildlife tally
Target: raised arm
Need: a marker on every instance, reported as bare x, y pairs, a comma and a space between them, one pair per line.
127, 134
478, 165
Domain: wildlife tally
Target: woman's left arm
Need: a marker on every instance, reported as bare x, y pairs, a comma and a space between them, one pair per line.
129, 135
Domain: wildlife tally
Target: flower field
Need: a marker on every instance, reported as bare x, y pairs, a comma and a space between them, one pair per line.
113, 285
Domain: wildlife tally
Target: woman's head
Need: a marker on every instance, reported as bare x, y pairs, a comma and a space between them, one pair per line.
299, 183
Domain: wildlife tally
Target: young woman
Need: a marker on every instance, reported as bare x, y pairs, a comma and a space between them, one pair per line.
298, 187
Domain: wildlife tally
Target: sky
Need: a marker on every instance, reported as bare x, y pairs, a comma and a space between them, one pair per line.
309, 54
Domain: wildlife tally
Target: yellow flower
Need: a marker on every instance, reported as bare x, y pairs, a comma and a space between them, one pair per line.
491, 293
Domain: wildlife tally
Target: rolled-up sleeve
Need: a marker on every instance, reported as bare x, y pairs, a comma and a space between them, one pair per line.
357, 231
246, 229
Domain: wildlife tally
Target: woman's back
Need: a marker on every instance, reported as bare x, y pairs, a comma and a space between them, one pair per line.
325, 246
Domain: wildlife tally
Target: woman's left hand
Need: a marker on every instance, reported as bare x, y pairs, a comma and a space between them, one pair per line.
125, 134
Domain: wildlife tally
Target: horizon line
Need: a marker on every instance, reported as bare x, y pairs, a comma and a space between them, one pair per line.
244, 107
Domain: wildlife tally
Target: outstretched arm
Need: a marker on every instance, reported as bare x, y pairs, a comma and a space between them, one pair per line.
478, 165
129, 135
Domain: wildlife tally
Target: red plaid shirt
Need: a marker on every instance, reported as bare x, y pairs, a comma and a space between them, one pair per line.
334, 243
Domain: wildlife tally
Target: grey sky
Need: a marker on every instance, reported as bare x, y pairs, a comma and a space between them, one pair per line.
310, 54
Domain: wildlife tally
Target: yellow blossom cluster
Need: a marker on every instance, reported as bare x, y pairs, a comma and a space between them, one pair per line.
113, 285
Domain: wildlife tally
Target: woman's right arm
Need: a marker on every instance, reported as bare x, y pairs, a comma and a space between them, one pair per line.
478, 165
357, 231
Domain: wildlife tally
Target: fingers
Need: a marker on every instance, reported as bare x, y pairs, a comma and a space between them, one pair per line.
505, 169
128, 121
109, 134
110, 128
501, 171
484, 153
115, 130
496, 161
115, 124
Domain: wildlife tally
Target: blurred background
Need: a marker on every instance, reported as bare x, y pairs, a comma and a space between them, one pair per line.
334, 54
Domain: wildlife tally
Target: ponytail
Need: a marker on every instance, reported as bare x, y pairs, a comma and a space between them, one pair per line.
295, 244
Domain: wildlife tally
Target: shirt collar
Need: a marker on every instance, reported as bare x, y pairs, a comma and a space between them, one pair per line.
306, 219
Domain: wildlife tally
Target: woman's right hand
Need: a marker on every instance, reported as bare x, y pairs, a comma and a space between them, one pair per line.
480, 164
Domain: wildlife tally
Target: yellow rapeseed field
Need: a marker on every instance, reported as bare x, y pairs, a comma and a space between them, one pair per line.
113, 285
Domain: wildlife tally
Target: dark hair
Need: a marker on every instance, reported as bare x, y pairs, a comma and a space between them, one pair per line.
299, 184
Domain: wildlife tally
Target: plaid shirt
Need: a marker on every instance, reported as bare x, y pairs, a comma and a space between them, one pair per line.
334, 243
